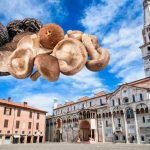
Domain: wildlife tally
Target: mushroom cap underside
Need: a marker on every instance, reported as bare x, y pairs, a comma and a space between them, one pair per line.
101, 63
20, 63
71, 55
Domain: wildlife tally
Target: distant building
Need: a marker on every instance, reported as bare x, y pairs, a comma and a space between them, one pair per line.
145, 48
20, 123
121, 116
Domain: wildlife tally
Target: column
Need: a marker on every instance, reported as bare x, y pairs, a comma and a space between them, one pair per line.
137, 128
126, 128
112, 119
25, 139
103, 131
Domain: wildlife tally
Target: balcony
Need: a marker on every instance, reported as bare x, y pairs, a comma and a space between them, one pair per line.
118, 129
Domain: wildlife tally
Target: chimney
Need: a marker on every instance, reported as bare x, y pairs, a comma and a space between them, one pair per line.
9, 99
25, 103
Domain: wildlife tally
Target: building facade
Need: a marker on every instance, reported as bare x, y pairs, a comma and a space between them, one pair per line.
20, 123
145, 48
121, 116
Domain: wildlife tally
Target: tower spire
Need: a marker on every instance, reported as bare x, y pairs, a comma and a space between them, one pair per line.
145, 48
146, 5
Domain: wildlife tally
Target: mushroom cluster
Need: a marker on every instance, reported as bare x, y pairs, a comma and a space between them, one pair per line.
48, 51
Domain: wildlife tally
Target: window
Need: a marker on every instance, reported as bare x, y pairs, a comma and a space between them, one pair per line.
18, 112
101, 102
148, 48
90, 104
17, 124
133, 97
142, 138
119, 122
37, 126
7, 111
38, 115
141, 97
143, 119
129, 113
106, 123
5, 123
29, 125
82, 105
113, 102
74, 108
119, 103
30, 114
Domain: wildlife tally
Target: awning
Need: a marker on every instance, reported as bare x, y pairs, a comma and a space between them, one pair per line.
16, 136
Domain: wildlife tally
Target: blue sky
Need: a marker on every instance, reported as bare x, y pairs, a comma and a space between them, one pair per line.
118, 25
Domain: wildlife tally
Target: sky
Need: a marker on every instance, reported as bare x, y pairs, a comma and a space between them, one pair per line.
118, 25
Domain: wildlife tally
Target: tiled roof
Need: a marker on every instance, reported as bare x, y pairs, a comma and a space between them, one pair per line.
20, 105
83, 98
100, 94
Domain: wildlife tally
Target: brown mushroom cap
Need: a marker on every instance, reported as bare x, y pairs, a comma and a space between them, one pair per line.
47, 66
74, 34
101, 62
71, 55
20, 63
50, 35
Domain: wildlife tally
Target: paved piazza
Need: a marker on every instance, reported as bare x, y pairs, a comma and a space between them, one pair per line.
66, 146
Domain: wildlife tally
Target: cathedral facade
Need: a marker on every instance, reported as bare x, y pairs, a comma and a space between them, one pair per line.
122, 116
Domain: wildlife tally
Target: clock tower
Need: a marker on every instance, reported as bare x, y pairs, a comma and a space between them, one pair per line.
145, 48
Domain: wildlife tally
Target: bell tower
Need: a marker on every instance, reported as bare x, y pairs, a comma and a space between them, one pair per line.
145, 48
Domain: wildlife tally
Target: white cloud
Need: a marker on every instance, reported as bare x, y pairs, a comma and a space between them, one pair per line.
17, 9
98, 15
123, 40
40, 101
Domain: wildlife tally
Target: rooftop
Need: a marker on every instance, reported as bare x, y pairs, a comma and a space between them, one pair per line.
20, 105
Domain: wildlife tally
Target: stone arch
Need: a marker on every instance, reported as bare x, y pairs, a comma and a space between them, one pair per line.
85, 130
141, 108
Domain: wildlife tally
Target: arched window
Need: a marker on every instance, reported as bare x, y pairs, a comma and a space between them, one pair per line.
146, 110
103, 115
142, 110
129, 113
113, 102
101, 102
133, 96
106, 123
126, 100
143, 119
137, 111
109, 114
119, 102
106, 114
99, 115
141, 97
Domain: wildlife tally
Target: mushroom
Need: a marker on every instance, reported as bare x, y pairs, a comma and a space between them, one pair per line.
47, 66
20, 63
74, 34
3, 62
99, 57
50, 35
71, 55
4, 37
33, 42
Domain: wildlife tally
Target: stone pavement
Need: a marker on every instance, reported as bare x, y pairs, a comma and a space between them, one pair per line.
70, 146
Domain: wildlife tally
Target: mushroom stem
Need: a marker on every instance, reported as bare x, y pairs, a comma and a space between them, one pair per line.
86, 39
35, 76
